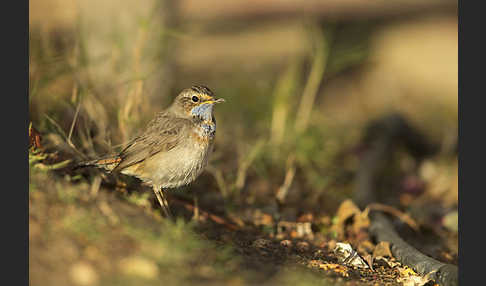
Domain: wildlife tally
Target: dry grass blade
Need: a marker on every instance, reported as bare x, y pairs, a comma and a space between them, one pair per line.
95, 187
72, 126
246, 162
57, 126
56, 166
218, 176
65, 137
314, 81
285, 89
108, 212
289, 177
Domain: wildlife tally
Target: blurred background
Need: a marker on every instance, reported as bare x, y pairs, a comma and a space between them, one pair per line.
312, 89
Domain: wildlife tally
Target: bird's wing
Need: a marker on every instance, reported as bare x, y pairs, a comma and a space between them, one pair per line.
162, 134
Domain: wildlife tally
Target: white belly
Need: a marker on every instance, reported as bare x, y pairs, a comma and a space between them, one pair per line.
179, 166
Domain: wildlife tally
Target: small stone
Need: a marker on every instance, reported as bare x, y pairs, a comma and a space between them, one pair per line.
286, 243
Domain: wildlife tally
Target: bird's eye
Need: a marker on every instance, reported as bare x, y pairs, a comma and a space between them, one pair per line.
195, 98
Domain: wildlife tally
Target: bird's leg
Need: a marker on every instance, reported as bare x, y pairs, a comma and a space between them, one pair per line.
159, 193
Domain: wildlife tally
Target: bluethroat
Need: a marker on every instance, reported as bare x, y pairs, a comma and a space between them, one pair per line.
174, 148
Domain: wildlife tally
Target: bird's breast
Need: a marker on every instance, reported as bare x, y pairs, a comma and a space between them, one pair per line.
182, 164
204, 132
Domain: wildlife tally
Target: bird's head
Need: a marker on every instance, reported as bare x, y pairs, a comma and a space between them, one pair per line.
197, 101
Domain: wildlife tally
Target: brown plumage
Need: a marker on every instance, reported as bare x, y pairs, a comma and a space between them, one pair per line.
174, 148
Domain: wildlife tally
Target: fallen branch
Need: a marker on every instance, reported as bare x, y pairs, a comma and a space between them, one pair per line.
382, 230
383, 136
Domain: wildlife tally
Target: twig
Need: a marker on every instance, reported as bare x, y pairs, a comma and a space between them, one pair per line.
196, 210
395, 212
205, 214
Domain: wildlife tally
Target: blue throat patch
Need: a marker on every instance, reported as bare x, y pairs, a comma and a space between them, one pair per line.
203, 111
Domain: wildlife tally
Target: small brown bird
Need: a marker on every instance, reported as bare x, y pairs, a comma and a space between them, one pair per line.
175, 146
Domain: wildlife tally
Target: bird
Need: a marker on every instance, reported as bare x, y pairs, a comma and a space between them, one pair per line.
173, 149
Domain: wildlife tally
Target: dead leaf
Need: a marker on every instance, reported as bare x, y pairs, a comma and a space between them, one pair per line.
382, 249
34, 138
406, 271
348, 256
331, 244
408, 277
260, 218
307, 217
360, 222
337, 268
390, 262
369, 259
346, 210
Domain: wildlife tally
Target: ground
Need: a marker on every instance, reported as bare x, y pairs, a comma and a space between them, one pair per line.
327, 110
104, 234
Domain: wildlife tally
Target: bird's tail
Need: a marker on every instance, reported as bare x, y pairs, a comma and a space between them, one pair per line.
107, 163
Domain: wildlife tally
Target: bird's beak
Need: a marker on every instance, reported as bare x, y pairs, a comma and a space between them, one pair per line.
213, 101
